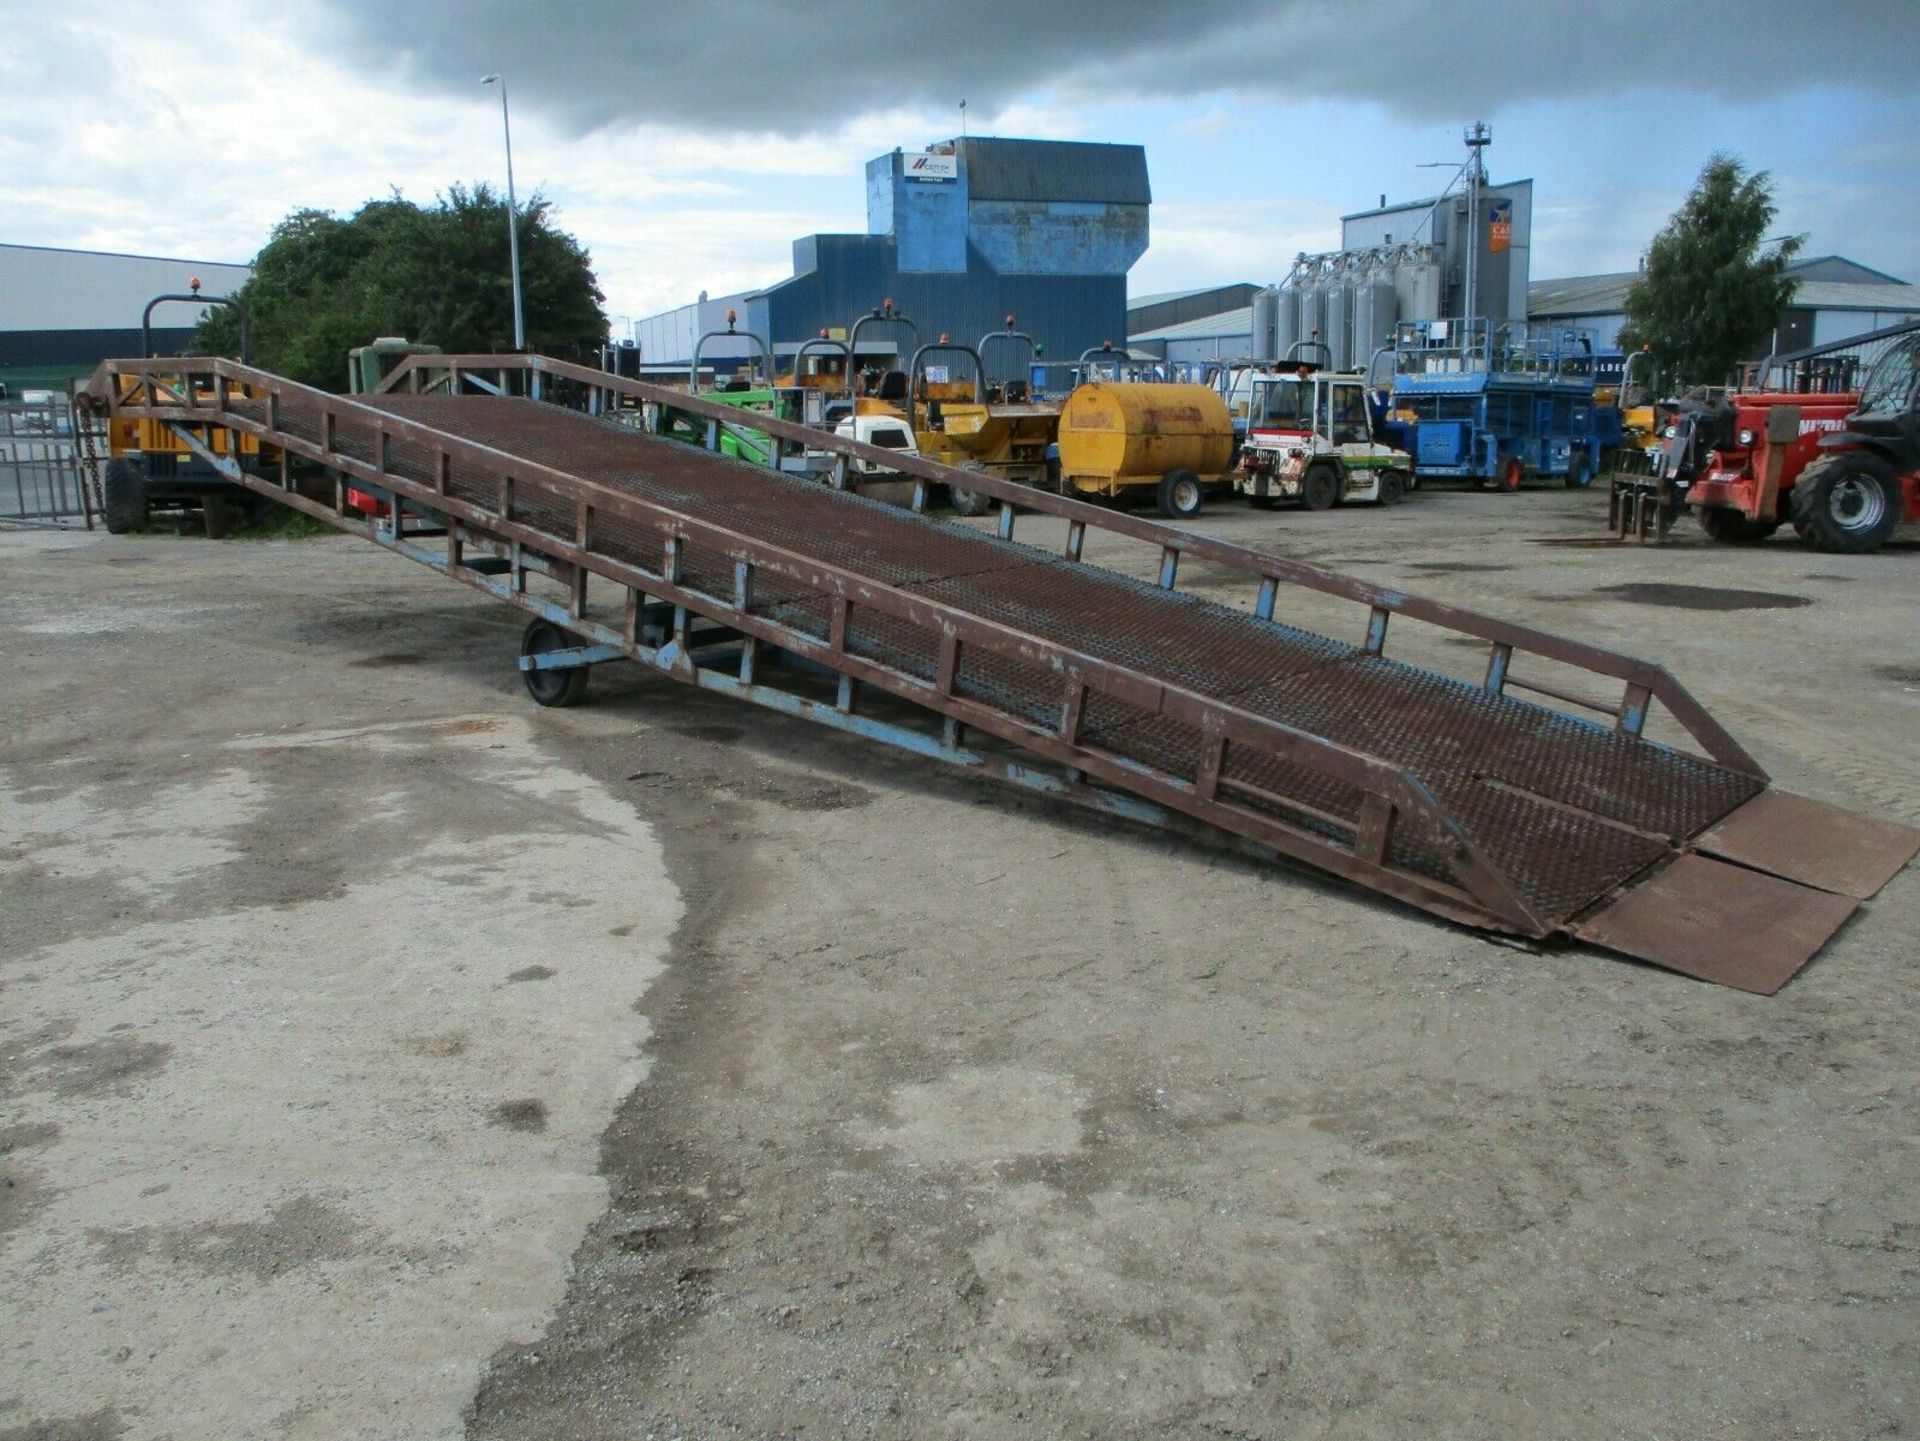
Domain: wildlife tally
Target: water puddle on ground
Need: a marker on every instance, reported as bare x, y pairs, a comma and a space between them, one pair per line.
1701, 597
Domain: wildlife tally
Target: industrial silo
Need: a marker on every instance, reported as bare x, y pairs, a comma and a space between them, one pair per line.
1313, 311
1286, 321
1339, 324
1417, 287
1266, 309
1375, 308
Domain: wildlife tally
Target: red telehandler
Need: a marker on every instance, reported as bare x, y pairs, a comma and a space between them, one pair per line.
1805, 443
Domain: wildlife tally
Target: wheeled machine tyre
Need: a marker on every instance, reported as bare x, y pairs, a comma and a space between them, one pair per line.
1846, 503
969, 502
1320, 487
1733, 527
219, 516
123, 496
552, 687
1393, 487
1181, 495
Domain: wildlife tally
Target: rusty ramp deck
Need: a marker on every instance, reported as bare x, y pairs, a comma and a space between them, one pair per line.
1497, 810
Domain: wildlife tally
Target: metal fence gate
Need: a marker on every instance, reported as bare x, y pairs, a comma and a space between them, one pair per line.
42, 476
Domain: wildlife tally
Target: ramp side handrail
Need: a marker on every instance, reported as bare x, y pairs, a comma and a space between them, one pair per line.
1394, 790
1644, 680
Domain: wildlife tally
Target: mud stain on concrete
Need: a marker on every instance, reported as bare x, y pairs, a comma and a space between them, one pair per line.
102, 1425
23, 1191
529, 1114
719, 734
536, 973
439, 1045
388, 660
113, 1064
298, 1233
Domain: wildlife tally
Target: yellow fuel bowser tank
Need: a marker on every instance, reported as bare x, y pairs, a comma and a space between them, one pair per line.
1122, 439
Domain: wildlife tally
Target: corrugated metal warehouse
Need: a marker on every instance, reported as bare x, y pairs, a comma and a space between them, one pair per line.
64, 311
1168, 308
1225, 336
958, 237
1835, 298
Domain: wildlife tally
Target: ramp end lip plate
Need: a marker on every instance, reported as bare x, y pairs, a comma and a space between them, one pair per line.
1721, 923
1816, 844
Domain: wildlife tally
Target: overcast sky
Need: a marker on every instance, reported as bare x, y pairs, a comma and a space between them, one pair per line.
687, 145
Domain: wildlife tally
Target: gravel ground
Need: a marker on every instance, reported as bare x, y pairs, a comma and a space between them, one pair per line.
945, 1112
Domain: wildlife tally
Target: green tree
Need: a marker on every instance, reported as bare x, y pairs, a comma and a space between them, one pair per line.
1708, 298
435, 273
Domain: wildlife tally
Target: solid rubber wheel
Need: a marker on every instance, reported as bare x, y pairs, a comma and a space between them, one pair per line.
1393, 487
1733, 527
123, 496
219, 516
1181, 495
552, 687
1320, 487
1846, 503
1579, 471
969, 502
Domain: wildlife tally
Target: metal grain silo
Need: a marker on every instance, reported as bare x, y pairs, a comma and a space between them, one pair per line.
1266, 312
1417, 286
1375, 308
1286, 322
1313, 312
1339, 325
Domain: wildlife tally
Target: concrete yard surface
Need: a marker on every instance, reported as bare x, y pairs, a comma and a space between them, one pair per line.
381, 1056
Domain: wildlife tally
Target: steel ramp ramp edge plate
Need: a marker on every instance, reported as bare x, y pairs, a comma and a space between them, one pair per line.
1720, 923
1811, 842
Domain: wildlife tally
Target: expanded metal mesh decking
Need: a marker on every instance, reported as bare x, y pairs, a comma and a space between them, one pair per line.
1565, 809
1057, 673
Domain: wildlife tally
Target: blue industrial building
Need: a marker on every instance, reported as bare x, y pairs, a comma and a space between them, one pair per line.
958, 237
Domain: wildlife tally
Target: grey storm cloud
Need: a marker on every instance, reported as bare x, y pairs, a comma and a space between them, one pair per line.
809, 65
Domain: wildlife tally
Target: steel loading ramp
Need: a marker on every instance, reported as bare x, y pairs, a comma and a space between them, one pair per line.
1458, 797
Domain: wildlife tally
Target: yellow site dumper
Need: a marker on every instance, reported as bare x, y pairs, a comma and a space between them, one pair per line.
150, 467
958, 419
1122, 440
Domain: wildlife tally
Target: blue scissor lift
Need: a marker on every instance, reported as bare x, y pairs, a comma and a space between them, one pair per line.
1498, 404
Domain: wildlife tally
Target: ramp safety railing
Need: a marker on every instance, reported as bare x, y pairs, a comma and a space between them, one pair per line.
1645, 682
1398, 839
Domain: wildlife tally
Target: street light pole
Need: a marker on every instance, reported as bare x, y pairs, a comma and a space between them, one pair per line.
513, 219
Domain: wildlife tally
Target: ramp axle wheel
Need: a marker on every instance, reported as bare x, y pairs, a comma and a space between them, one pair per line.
555, 685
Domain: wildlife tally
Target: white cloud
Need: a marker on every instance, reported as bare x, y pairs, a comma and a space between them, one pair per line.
1209, 129
178, 152
1602, 234
1216, 242
160, 130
